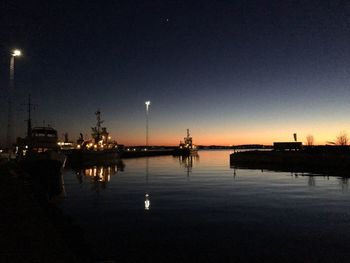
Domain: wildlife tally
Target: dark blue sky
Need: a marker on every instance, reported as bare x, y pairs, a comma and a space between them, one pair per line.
231, 71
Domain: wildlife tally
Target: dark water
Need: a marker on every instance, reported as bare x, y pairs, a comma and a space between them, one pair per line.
201, 210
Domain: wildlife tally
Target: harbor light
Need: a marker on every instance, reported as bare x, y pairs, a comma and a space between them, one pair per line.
16, 53
147, 202
147, 103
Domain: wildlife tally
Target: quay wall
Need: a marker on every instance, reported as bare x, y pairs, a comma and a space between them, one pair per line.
293, 160
150, 153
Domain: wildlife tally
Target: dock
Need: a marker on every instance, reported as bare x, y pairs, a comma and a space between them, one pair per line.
136, 153
313, 159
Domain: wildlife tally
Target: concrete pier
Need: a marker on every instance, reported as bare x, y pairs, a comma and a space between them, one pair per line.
142, 153
335, 160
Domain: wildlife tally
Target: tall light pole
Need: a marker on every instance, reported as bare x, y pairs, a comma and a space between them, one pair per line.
15, 53
147, 103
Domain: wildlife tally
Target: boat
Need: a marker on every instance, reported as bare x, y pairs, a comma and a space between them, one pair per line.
38, 152
99, 150
186, 147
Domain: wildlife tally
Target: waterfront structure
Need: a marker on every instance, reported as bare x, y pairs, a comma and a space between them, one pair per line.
290, 157
287, 146
66, 144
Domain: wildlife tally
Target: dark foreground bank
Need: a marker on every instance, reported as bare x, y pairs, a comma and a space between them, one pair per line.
33, 230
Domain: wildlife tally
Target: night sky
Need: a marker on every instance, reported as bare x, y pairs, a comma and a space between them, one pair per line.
233, 72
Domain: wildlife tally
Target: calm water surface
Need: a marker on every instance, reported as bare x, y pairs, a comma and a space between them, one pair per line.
198, 209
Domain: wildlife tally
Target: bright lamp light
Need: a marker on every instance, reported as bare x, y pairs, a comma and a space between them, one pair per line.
16, 53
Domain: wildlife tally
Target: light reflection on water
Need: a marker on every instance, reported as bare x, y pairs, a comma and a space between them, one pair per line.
199, 209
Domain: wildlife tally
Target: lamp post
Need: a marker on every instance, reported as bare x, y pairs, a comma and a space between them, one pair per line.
147, 103
15, 53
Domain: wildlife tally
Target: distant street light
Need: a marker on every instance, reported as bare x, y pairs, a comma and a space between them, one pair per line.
15, 53
147, 103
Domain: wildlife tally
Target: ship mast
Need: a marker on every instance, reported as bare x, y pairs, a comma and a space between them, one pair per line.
30, 107
98, 126
188, 140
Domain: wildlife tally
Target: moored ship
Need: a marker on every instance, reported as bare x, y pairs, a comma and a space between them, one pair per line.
186, 147
99, 150
38, 152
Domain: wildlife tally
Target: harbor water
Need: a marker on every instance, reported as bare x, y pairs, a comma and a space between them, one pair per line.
199, 209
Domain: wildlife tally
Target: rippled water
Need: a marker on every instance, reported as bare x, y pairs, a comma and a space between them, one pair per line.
198, 209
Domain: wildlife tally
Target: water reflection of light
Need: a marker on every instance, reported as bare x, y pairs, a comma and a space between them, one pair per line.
344, 183
147, 202
311, 179
100, 173
188, 161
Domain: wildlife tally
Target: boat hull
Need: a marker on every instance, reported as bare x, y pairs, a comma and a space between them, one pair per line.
80, 158
45, 171
35, 163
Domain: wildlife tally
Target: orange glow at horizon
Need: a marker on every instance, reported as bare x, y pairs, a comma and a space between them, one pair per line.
226, 136
235, 139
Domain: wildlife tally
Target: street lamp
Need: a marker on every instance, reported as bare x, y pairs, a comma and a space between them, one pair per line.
147, 103
15, 53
